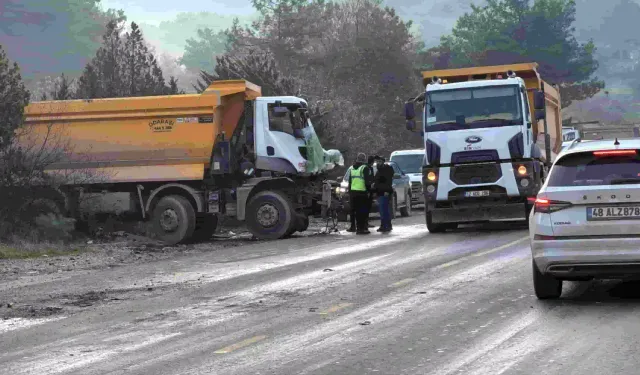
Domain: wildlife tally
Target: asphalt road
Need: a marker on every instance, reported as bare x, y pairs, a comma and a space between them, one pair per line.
409, 302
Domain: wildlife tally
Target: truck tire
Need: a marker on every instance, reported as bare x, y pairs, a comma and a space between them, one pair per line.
431, 226
304, 223
174, 219
545, 286
270, 215
406, 210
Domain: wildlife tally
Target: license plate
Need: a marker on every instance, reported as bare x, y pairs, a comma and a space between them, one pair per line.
481, 193
613, 213
214, 207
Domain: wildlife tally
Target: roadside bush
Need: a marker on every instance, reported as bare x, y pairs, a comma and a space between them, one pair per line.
31, 206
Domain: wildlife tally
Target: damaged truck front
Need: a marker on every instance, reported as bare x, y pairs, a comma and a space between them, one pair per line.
184, 161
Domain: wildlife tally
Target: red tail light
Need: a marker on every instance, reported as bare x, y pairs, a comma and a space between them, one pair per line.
546, 206
615, 153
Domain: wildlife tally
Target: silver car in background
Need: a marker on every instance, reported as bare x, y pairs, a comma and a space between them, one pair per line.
585, 222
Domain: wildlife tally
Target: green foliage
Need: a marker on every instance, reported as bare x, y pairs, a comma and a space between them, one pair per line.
52, 36
14, 98
200, 53
511, 31
123, 67
352, 61
257, 67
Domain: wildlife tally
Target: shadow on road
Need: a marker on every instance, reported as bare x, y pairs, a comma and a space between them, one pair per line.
601, 291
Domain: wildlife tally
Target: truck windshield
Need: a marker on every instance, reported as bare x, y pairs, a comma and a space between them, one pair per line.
473, 108
409, 163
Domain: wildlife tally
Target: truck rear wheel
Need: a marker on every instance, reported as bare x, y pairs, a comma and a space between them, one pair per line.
174, 219
431, 226
270, 215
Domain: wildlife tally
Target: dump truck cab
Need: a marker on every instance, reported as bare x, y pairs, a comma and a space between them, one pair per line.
486, 140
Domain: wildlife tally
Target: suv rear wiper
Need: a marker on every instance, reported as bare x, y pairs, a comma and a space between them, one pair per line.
622, 181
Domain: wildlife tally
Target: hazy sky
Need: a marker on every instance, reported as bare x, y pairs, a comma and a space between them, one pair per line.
154, 11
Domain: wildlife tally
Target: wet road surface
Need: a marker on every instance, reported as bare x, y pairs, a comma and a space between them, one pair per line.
409, 302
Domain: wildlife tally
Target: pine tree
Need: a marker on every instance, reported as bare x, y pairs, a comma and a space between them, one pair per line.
14, 98
122, 67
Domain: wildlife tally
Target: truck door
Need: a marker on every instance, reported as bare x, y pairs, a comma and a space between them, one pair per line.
279, 136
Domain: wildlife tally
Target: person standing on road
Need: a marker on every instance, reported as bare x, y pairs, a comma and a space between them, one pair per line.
370, 161
359, 188
383, 186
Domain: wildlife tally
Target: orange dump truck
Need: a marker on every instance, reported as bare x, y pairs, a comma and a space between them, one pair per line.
184, 160
490, 135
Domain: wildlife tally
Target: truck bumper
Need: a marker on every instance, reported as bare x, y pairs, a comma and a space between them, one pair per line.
498, 194
472, 212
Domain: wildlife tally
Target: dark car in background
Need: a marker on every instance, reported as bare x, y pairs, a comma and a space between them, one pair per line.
400, 202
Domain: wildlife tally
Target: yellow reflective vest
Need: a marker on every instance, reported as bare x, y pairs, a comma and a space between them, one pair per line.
357, 178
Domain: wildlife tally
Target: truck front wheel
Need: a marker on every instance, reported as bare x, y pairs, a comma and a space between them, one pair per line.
431, 226
174, 219
270, 215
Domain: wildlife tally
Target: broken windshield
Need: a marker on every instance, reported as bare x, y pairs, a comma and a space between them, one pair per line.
480, 107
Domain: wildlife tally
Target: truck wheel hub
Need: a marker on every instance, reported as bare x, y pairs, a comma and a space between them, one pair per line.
268, 215
169, 220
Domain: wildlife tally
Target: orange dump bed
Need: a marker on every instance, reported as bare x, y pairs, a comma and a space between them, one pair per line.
159, 138
529, 73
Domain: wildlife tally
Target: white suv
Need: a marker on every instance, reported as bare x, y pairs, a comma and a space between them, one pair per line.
586, 218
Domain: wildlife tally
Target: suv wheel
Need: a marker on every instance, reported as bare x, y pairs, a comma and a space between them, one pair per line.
406, 210
545, 286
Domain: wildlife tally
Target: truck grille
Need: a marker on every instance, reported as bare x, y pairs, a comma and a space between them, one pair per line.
476, 174
416, 188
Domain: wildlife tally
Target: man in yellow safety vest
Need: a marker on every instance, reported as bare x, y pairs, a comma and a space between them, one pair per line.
360, 179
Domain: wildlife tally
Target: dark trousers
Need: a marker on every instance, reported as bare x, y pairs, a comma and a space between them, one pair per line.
385, 211
360, 210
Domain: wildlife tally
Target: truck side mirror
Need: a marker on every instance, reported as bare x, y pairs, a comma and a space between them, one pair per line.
540, 114
538, 100
409, 111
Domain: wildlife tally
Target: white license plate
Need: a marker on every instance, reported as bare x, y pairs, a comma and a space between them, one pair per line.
481, 193
613, 213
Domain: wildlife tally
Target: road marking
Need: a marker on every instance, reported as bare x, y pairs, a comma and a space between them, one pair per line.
401, 282
486, 252
240, 345
335, 308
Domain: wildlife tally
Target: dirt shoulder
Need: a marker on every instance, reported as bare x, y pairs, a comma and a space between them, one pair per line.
116, 250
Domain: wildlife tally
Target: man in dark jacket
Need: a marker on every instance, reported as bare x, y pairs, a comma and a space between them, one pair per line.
383, 186
372, 194
360, 180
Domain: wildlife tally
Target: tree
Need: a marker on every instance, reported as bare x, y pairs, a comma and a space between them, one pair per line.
352, 61
14, 98
201, 53
62, 89
511, 31
122, 67
257, 67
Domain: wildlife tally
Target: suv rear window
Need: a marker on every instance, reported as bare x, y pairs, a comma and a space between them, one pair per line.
585, 169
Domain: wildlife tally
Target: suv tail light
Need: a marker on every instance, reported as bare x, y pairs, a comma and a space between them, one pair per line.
546, 206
